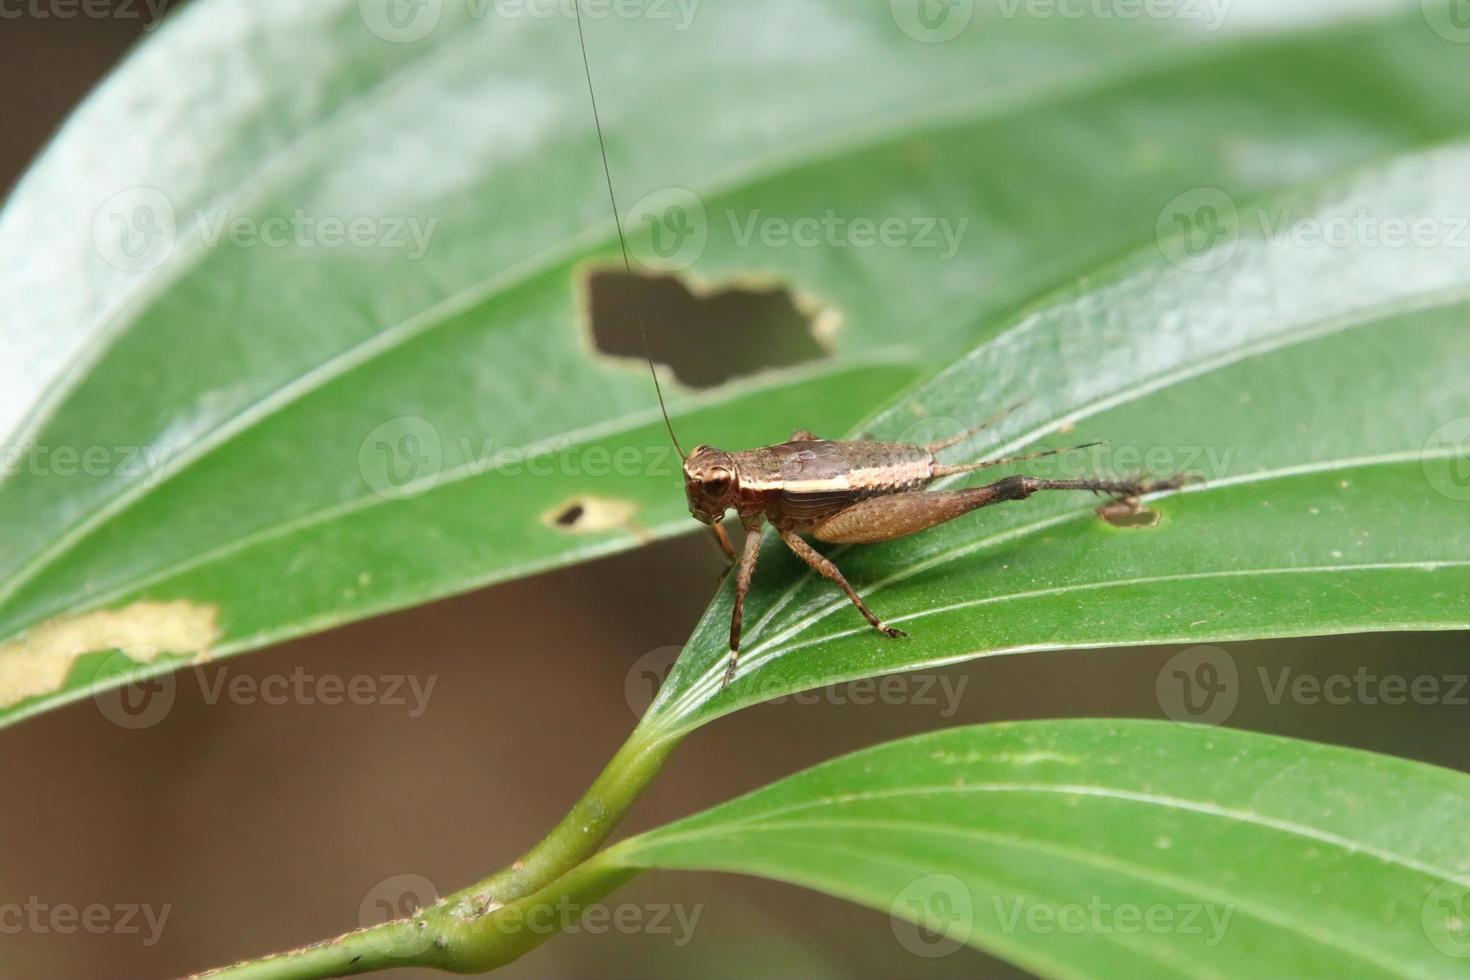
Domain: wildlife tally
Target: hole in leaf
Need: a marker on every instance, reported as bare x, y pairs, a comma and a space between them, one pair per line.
1128, 513
590, 515
705, 335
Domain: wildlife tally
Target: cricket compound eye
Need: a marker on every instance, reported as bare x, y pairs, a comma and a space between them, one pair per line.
717, 482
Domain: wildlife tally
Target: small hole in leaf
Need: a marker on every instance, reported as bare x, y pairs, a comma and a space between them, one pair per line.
705, 335
590, 515
1128, 513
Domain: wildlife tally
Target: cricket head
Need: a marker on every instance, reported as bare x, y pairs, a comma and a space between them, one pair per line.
710, 482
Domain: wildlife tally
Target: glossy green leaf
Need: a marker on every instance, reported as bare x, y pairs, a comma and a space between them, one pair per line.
1305, 361
211, 397
1093, 848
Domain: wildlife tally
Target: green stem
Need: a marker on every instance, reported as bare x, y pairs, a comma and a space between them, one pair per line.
494, 921
582, 831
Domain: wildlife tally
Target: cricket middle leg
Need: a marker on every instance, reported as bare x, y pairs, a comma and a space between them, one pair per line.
828, 570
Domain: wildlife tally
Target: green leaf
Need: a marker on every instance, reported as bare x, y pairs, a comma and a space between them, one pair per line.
1093, 848
1318, 385
201, 396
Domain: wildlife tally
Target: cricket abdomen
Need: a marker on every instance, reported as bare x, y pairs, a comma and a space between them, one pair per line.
800, 483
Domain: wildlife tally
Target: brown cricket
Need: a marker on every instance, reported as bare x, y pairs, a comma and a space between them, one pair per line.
837, 491
850, 492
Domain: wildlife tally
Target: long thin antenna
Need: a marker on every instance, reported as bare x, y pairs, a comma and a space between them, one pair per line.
618, 222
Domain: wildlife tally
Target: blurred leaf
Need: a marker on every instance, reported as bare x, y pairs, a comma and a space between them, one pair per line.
1305, 360
1091, 848
209, 395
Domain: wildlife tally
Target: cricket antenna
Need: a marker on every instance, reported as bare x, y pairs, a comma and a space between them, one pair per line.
618, 223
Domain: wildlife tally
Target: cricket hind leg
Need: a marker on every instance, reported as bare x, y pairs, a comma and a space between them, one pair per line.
825, 567
901, 514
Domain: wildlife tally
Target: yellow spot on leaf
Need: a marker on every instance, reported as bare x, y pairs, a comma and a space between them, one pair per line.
591, 515
38, 661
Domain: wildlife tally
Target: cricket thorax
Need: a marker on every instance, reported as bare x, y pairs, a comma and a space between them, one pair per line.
798, 482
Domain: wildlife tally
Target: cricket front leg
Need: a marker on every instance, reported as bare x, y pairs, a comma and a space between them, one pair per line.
743, 575
722, 541
828, 570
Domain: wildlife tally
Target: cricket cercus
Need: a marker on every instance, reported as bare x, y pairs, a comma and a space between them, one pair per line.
838, 491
